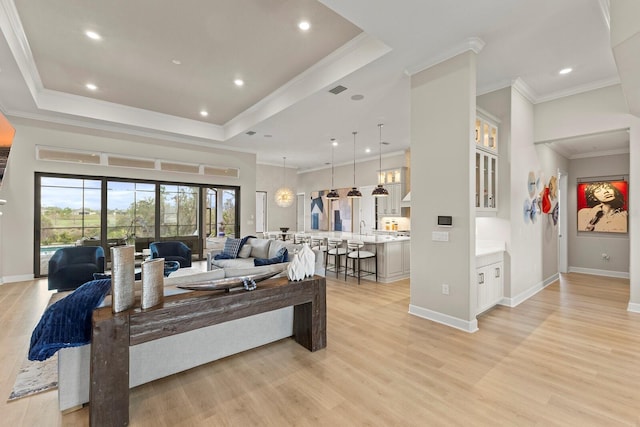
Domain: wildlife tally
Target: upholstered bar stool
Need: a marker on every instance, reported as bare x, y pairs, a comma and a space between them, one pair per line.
356, 253
319, 243
336, 250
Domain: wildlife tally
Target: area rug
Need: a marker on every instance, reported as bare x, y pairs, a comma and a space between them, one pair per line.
37, 377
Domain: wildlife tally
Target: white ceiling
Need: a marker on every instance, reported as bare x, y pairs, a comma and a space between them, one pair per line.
368, 46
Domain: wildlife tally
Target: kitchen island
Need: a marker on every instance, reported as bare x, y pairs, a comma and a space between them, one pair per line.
394, 253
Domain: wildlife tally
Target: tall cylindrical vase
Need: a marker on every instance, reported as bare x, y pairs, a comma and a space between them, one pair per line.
122, 278
152, 283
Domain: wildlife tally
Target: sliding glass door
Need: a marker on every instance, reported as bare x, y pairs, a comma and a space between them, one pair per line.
70, 214
101, 211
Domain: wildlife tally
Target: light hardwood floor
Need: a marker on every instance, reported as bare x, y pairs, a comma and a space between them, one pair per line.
569, 356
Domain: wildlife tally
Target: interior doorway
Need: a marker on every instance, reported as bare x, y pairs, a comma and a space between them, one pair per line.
300, 212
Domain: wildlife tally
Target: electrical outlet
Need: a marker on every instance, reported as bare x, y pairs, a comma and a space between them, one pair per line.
445, 289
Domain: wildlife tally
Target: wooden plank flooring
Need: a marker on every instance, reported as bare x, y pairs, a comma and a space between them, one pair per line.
569, 356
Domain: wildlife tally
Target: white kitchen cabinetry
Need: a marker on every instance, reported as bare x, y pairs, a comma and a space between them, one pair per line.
486, 174
489, 275
394, 182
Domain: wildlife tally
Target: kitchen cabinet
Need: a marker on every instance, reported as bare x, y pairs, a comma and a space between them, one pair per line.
490, 284
393, 181
486, 173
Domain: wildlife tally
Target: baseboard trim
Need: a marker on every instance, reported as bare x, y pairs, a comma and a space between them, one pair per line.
445, 319
633, 307
20, 278
597, 272
523, 296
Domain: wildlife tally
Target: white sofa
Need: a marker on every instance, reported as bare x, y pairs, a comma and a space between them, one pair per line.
167, 356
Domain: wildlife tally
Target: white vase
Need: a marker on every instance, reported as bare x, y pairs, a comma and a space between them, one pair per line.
308, 260
295, 270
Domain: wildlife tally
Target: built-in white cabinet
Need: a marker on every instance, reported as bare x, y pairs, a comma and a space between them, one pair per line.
489, 280
486, 173
394, 182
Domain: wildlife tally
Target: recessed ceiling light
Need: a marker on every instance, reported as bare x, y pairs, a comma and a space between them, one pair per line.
357, 97
238, 82
176, 61
93, 35
268, 136
565, 71
367, 150
91, 86
304, 25
204, 113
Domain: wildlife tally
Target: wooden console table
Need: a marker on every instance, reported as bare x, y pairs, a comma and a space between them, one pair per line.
112, 334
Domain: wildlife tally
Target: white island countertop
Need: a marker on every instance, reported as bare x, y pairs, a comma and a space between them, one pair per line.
366, 238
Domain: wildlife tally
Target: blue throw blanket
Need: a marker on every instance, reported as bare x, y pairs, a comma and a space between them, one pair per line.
67, 323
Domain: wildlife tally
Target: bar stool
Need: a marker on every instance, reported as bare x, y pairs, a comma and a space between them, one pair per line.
336, 250
300, 238
319, 243
356, 254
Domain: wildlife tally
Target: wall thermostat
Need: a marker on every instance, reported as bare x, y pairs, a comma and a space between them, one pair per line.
445, 221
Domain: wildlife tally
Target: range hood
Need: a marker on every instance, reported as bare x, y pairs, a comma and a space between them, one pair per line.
406, 202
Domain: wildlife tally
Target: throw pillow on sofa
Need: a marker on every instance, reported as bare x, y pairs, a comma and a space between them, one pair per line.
260, 248
245, 251
232, 247
281, 256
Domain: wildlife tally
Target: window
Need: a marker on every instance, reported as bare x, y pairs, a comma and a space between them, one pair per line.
102, 211
131, 209
70, 211
178, 210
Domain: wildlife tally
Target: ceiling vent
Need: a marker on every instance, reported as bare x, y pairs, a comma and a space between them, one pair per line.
336, 90
251, 133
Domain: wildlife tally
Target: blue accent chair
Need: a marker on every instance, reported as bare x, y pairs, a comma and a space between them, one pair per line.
71, 267
172, 251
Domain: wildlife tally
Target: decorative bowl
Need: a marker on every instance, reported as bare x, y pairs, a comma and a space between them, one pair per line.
284, 229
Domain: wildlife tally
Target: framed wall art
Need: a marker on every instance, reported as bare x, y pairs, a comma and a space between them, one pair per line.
602, 206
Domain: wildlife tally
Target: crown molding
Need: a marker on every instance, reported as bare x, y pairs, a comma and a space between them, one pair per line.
605, 8
579, 89
474, 44
13, 31
600, 153
525, 90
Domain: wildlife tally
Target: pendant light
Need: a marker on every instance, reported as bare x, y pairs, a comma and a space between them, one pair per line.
333, 194
284, 195
354, 193
380, 191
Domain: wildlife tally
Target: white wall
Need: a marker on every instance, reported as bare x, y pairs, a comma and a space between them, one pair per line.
269, 179
599, 111
18, 185
443, 101
586, 248
526, 237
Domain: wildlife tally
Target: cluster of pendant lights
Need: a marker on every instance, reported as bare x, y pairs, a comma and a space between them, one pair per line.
354, 193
